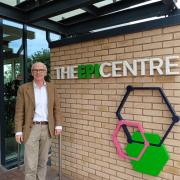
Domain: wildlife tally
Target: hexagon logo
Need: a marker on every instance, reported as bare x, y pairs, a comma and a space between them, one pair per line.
117, 144
154, 158
175, 117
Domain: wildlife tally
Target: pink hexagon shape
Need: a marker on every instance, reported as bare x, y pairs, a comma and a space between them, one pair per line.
117, 144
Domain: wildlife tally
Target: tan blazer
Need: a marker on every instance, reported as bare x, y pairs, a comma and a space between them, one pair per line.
25, 108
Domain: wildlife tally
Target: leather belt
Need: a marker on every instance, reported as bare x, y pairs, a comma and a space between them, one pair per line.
40, 122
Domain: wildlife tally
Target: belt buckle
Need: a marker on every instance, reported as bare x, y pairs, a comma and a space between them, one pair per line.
36, 122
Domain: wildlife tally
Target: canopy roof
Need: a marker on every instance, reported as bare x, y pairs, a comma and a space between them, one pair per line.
87, 18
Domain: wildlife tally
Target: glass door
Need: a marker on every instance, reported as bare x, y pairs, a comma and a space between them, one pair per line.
13, 70
13, 77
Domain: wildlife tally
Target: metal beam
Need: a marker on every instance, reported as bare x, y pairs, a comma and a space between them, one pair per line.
27, 5
102, 11
170, 3
149, 25
51, 26
170, 6
41, 2
118, 18
57, 7
77, 19
30, 4
13, 13
91, 10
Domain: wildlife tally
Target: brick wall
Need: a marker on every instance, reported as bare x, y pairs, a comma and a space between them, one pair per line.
89, 106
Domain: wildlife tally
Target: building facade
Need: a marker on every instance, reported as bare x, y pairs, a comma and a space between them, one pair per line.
90, 103
107, 48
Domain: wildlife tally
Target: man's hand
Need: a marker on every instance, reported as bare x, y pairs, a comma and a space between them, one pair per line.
19, 139
58, 131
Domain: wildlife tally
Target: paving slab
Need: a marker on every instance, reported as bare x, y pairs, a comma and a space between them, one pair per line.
18, 174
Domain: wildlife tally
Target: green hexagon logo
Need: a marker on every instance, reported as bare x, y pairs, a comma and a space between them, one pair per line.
154, 158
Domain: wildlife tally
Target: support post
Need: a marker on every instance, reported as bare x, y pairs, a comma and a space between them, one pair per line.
59, 157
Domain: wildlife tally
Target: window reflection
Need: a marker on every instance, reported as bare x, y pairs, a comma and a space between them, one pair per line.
13, 70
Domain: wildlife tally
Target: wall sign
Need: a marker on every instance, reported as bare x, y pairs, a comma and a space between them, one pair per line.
139, 67
146, 151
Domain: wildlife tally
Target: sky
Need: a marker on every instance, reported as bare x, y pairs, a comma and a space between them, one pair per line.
178, 3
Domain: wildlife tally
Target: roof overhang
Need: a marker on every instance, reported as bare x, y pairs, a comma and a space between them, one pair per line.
118, 16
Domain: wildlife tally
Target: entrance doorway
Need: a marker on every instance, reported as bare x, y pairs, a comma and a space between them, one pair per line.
13, 70
15, 66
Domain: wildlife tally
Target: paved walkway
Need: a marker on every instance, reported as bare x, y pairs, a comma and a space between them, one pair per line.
17, 174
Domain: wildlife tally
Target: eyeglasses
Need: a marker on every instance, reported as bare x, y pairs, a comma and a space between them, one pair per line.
38, 70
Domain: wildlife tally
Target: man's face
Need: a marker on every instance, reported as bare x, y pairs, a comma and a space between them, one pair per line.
39, 72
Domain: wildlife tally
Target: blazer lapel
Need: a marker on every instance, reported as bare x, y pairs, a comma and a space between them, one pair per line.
30, 91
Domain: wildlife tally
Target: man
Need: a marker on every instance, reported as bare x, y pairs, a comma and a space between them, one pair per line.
37, 118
